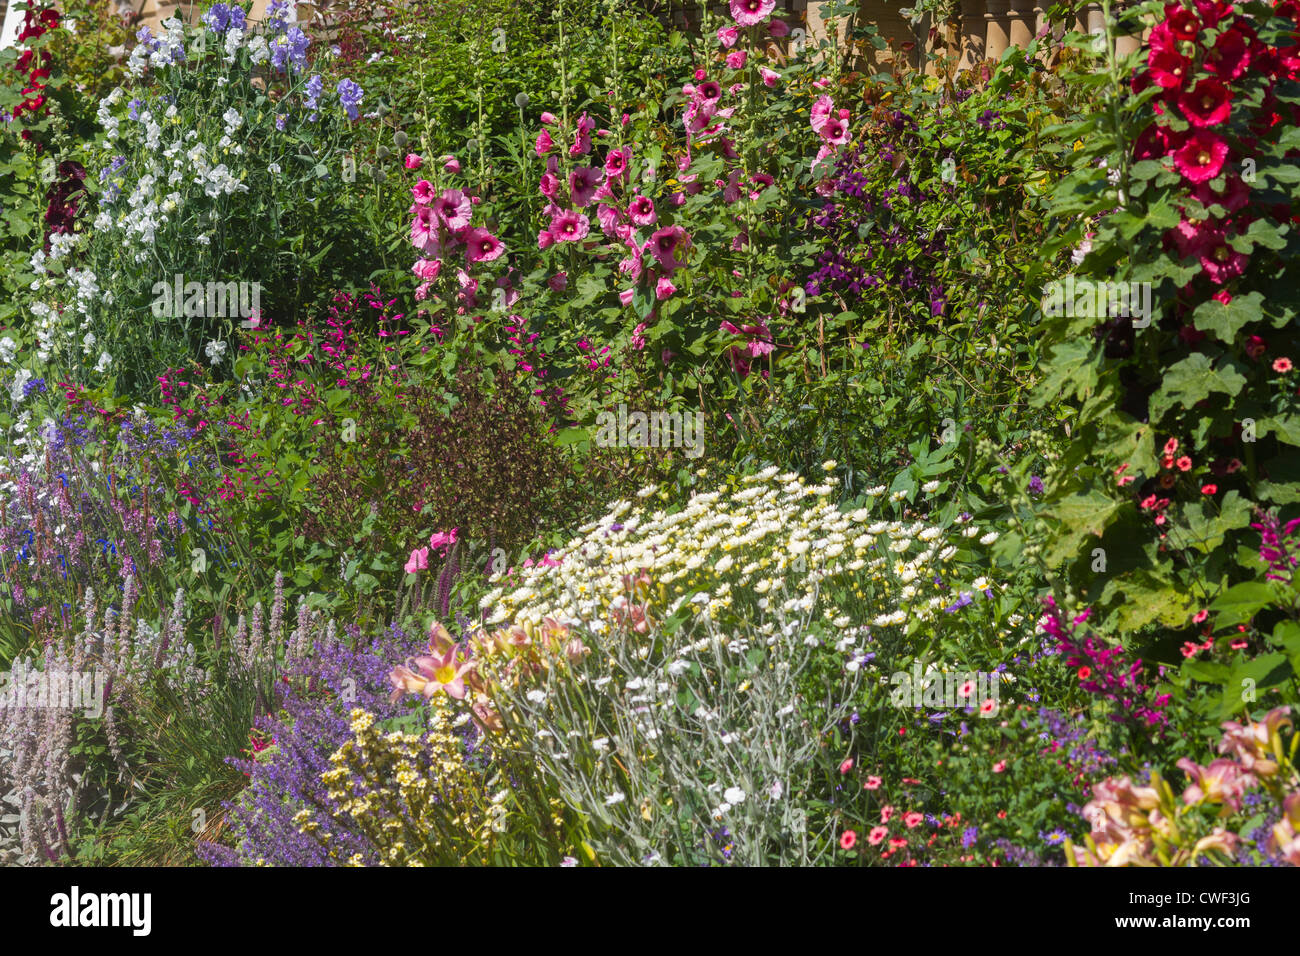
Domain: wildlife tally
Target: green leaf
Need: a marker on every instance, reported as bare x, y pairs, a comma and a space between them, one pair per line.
1193, 380
1225, 321
1241, 602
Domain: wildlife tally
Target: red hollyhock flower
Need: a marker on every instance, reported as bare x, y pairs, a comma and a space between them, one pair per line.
1207, 104
1212, 11
1229, 56
1169, 69
1156, 141
1162, 39
1234, 196
1183, 24
1189, 236
1201, 157
1220, 261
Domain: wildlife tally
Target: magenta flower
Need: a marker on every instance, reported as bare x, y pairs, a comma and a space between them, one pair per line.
1220, 261
545, 240
482, 246
427, 269
609, 218
736, 59
423, 192
664, 288
442, 539
770, 77
583, 183
454, 209
778, 28
413, 161
1207, 104
663, 245
569, 225
1201, 157
728, 36
626, 296
641, 210
616, 163
424, 231
451, 164
748, 13
822, 110
582, 136
544, 143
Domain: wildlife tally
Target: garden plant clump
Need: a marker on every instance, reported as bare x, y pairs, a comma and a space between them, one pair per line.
550, 434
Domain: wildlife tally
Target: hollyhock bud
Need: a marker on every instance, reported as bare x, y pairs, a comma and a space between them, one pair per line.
736, 60
778, 28
548, 119
413, 161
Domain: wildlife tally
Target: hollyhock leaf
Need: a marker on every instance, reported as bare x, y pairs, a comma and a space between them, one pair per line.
1241, 602
1085, 513
1209, 523
1263, 233
1193, 379
1285, 427
1149, 599
1225, 321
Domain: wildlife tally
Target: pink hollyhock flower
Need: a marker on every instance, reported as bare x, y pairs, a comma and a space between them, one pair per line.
1282, 365
664, 288
778, 28
1169, 68
423, 192
1220, 261
638, 341
544, 143
454, 209
418, 561
451, 164
748, 13
822, 110
545, 240
549, 119
1234, 197
427, 269
616, 163
1229, 56
728, 36
424, 231
558, 282
770, 77
736, 59
626, 296
583, 183
582, 136
835, 131
641, 210
1201, 157
731, 193
569, 225
1189, 235
413, 161
663, 245
609, 217
442, 539
632, 265
482, 246
1207, 104
549, 185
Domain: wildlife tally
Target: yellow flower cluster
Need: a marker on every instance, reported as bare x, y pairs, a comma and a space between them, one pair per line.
413, 796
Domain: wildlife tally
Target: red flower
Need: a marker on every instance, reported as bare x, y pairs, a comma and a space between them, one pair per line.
1209, 489
1255, 346
1282, 365
1220, 261
1169, 68
1085, 673
1201, 157
1184, 463
847, 839
1212, 11
1183, 24
1162, 39
1229, 56
1207, 104
1234, 196
1156, 141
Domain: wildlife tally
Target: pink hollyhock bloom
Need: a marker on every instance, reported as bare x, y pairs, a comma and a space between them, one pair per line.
770, 77
418, 561
424, 231
582, 136
413, 161
549, 119
549, 185
663, 245
423, 192
664, 288
641, 210
545, 240
451, 164
778, 28
422, 291
454, 209
626, 296
1201, 157
821, 84
709, 92
1207, 104
822, 110
544, 143
748, 13
835, 130
728, 36
736, 60
558, 282
482, 246
616, 163
1189, 235
569, 226
638, 339
583, 183
608, 217
1220, 261
443, 539
732, 192
427, 269
632, 264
